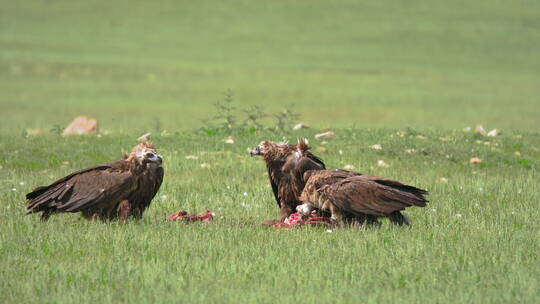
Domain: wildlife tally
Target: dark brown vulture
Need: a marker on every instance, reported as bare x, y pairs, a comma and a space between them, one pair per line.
122, 188
350, 195
286, 189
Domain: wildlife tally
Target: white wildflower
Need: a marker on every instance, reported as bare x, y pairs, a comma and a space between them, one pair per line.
382, 164
349, 167
376, 147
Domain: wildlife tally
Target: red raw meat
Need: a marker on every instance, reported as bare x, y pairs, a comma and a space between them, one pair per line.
295, 220
188, 218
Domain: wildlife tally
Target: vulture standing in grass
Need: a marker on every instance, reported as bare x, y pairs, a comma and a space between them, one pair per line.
122, 188
349, 195
286, 190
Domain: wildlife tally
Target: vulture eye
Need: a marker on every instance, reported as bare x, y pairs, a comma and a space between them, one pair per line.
149, 155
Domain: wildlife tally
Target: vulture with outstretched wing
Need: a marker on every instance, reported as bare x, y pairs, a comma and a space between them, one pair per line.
122, 188
286, 189
350, 195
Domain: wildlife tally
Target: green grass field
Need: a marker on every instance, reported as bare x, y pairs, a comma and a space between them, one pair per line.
406, 75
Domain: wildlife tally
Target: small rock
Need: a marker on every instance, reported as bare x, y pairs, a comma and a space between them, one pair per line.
382, 164
324, 142
229, 140
517, 153
192, 157
480, 129
349, 167
410, 151
340, 152
300, 126
475, 160
36, 132
322, 149
494, 132
205, 165
328, 134
443, 180
145, 137
82, 125
376, 147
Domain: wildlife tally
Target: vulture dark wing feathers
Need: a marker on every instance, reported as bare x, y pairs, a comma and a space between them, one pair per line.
105, 191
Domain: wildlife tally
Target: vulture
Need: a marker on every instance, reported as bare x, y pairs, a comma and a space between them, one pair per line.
350, 196
286, 190
119, 189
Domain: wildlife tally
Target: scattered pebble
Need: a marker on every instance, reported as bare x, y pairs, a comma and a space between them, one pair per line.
340, 152
322, 149
376, 147
164, 197
205, 165
443, 180
480, 129
329, 230
494, 132
300, 126
457, 215
349, 167
517, 153
13, 189
192, 157
475, 160
410, 151
328, 134
382, 164
36, 132
229, 140
245, 194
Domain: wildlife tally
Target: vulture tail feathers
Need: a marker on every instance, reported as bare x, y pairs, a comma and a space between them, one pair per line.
403, 187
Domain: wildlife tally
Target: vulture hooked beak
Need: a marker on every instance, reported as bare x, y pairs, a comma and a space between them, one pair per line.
154, 158
256, 151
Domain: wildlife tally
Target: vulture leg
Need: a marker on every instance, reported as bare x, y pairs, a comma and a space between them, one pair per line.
46, 214
124, 210
285, 211
399, 218
337, 215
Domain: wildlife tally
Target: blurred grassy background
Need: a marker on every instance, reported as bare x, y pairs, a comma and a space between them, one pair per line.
370, 64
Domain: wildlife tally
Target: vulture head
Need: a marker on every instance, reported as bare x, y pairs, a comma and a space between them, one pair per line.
272, 151
145, 153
